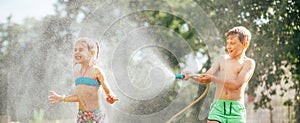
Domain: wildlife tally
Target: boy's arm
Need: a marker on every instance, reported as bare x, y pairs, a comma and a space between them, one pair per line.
211, 71
215, 67
244, 76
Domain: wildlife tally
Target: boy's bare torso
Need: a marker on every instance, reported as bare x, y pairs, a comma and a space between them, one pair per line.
229, 69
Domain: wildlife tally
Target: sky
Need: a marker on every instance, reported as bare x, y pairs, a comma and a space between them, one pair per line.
20, 9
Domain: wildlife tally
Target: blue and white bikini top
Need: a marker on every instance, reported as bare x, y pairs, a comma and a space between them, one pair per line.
87, 81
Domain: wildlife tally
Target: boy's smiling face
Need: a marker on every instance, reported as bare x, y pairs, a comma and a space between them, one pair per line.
234, 46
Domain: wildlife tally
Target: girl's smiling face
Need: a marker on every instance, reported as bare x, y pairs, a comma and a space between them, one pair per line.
234, 46
82, 54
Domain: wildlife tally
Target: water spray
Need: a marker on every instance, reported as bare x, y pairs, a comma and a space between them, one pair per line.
181, 76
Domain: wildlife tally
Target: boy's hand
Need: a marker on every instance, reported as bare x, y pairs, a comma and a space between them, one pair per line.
111, 99
186, 75
54, 97
205, 78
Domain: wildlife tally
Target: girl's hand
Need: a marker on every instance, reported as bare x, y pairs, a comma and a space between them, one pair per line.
54, 97
111, 99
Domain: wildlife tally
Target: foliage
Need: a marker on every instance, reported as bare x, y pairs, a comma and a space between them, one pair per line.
176, 24
38, 115
275, 27
9, 34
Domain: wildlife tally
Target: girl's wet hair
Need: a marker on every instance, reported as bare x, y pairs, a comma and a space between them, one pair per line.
242, 32
92, 44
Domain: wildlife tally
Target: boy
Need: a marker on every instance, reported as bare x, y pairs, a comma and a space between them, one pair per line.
234, 70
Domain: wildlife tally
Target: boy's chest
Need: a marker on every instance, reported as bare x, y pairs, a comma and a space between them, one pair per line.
230, 66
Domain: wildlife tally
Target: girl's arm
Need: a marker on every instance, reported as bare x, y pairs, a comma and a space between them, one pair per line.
71, 98
109, 98
56, 98
100, 78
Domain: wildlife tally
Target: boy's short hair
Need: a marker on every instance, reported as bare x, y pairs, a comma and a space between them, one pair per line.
242, 32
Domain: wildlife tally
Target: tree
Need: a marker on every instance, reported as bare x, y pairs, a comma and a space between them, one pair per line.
9, 34
27, 61
275, 43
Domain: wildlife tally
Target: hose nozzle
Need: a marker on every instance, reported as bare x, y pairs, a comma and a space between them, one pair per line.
179, 76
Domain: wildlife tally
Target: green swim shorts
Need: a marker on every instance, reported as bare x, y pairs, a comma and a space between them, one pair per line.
227, 111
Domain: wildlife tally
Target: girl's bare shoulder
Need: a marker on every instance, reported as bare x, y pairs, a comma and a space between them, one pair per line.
98, 71
97, 68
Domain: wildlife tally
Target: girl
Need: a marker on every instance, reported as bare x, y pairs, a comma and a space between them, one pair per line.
87, 80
